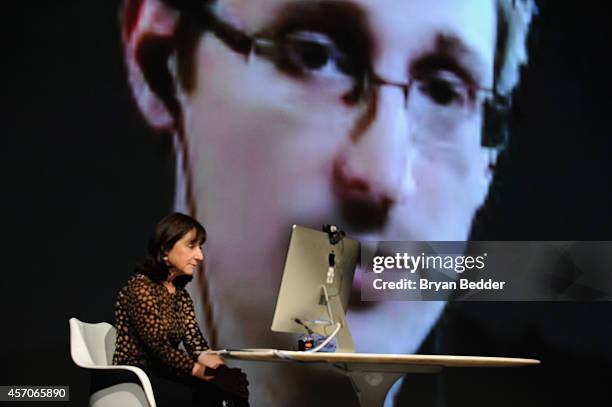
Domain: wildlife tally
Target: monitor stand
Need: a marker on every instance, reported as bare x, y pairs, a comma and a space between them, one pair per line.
337, 313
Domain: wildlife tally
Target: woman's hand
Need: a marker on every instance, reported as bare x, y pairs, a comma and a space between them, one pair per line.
228, 379
206, 360
210, 360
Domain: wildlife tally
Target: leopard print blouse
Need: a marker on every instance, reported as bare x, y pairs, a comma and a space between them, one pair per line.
151, 324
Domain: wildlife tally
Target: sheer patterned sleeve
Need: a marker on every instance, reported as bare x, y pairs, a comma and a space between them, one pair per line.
194, 340
153, 328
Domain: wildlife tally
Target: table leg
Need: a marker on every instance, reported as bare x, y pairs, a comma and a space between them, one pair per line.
372, 387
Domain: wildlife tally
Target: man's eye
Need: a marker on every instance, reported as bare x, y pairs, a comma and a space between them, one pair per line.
307, 53
310, 55
444, 91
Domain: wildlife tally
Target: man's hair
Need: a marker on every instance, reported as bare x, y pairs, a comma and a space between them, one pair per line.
513, 21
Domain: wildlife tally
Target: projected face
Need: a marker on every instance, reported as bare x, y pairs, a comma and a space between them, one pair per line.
365, 114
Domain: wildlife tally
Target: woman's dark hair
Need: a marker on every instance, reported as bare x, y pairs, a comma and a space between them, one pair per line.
168, 231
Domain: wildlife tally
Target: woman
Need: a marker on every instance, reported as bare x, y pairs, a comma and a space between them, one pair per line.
154, 315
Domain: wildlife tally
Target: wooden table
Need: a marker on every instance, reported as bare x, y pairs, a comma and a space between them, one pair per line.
373, 374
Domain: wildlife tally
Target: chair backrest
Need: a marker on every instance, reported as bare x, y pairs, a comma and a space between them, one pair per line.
92, 345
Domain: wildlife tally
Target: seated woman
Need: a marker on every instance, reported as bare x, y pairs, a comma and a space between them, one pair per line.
154, 315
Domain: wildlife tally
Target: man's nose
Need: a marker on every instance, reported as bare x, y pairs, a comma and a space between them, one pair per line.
375, 165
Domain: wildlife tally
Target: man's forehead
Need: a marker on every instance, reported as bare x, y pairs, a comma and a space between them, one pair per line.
409, 26
250, 13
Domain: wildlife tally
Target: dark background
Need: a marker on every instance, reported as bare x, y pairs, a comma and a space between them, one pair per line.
87, 181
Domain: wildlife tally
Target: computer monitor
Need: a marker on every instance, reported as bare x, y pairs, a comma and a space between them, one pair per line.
316, 285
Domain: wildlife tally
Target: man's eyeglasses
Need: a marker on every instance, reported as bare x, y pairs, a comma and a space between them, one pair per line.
439, 101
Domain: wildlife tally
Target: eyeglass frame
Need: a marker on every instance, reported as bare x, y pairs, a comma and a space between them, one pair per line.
496, 107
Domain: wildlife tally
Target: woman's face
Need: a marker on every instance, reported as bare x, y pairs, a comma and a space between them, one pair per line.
185, 255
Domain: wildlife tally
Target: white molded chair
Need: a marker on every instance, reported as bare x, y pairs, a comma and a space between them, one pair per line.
92, 347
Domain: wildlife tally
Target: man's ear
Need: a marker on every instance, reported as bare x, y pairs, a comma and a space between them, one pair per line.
148, 29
